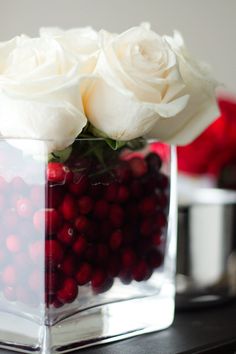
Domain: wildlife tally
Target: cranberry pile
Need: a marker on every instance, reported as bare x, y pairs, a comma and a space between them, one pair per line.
100, 224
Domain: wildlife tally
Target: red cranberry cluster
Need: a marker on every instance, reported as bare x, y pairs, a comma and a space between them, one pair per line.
100, 224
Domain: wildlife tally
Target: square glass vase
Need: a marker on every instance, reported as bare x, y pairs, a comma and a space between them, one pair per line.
87, 243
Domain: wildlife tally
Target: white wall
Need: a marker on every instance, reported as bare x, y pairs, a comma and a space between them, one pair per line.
208, 26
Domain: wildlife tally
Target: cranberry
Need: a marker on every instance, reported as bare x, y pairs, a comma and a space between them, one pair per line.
80, 245
98, 278
154, 162
160, 220
146, 227
148, 205
68, 292
36, 251
39, 220
140, 271
24, 207
123, 172
114, 265
154, 258
58, 172
56, 303
52, 282
66, 234
53, 221
84, 273
68, 207
35, 280
138, 166
82, 223
125, 277
116, 239
53, 251
163, 181
85, 204
111, 192
102, 253
90, 253
48, 218
128, 258
68, 265
116, 215
157, 239
37, 194
104, 287
122, 194
101, 209
80, 185
54, 196
13, 243
9, 275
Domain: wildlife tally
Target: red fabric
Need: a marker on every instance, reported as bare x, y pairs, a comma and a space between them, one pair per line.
215, 147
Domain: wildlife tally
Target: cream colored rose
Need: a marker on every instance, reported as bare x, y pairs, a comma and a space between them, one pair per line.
201, 109
80, 42
40, 93
137, 82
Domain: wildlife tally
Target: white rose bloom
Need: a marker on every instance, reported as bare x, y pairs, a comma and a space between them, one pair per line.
81, 42
138, 81
202, 108
40, 93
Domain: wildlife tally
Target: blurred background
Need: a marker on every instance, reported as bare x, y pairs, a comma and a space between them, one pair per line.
208, 26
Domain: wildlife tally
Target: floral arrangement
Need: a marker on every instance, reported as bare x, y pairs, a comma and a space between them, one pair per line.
213, 153
68, 84
98, 217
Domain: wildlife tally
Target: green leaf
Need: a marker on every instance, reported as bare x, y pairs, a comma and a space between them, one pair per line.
96, 132
115, 144
60, 156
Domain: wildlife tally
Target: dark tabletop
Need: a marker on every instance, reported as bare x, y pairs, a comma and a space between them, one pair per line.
203, 330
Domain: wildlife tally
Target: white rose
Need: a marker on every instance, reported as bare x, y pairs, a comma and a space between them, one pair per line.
81, 42
138, 81
39, 93
202, 108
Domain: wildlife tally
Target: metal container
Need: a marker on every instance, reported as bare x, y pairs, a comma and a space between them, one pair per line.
206, 256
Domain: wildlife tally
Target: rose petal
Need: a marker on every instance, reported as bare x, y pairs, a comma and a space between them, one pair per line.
187, 125
59, 122
121, 116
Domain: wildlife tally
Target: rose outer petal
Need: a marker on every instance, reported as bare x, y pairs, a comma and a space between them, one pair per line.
58, 122
120, 115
